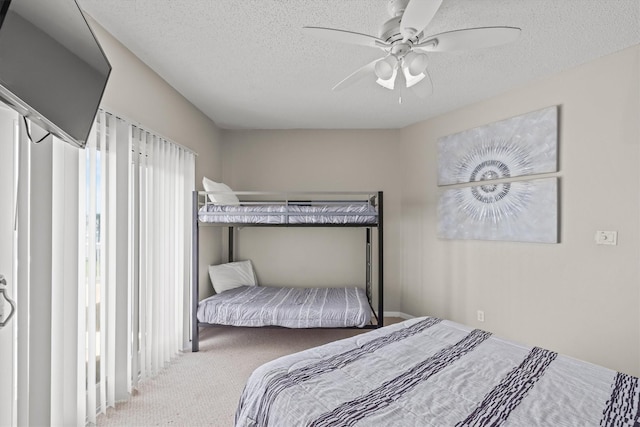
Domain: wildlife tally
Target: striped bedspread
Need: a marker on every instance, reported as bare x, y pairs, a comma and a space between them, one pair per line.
356, 213
433, 372
288, 307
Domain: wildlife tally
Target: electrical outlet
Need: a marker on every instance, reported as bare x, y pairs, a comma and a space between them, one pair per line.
480, 316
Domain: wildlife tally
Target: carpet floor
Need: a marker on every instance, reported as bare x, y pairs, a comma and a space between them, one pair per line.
203, 389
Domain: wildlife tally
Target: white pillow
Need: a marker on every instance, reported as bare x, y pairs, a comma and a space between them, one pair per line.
219, 199
232, 275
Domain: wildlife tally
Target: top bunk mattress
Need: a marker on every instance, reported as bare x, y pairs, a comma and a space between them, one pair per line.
287, 307
352, 213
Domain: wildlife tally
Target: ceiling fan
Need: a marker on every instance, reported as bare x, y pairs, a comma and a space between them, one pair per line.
403, 40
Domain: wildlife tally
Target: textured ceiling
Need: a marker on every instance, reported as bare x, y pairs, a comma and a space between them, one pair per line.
247, 65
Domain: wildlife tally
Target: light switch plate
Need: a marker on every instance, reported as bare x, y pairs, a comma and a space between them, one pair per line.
606, 237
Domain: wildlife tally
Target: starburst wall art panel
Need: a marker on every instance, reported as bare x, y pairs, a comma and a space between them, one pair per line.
522, 211
497, 207
518, 146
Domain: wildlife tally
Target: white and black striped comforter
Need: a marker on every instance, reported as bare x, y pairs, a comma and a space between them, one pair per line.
432, 372
288, 307
357, 213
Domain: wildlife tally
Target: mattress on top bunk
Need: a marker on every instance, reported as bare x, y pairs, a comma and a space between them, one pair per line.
287, 307
353, 213
433, 372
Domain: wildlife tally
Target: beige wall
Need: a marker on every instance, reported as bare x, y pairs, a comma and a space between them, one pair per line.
137, 93
574, 297
317, 160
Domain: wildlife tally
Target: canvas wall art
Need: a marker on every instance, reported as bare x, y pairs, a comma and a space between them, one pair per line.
519, 146
523, 211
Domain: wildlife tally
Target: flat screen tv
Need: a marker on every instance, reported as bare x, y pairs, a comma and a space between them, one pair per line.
52, 69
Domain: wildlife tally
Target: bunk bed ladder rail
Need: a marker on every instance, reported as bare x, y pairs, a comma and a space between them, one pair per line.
368, 267
380, 262
195, 250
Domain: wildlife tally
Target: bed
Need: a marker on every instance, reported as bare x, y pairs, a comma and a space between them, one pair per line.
432, 372
317, 307
255, 306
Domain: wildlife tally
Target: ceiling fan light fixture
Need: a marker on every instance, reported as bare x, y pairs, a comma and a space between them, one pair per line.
386, 68
410, 78
415, 63
389, 83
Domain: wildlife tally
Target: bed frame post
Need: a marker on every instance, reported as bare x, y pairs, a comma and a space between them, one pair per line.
195, 255
368, 288
230, 249
380, 262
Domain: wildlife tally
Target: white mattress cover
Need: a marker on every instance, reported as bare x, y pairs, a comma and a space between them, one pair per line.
287, 307
355, 213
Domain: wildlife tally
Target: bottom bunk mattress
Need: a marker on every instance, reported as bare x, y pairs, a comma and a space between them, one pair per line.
287, 307
433, 372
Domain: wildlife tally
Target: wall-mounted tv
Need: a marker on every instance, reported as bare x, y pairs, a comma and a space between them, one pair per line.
52, 68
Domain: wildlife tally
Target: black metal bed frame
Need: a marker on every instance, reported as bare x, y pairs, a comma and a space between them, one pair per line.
195, 227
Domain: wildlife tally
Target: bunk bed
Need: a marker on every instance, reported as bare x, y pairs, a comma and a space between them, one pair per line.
432, 372
273, 306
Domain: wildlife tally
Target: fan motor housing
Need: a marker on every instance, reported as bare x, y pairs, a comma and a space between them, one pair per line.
390, 32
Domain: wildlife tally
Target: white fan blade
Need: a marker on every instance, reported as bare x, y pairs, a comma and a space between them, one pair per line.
424, 88
417, 16
470, 38
357, 75
344, 36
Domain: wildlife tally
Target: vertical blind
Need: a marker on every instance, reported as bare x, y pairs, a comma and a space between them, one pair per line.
161, 178
106, 233
97, 308
162, 181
